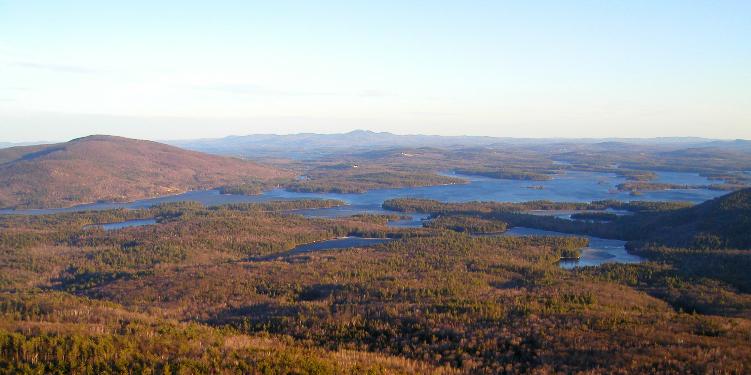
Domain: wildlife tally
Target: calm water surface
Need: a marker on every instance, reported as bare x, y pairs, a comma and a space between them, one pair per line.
573, 186
566, 214
336, 243
569, 187
125, 224
599, 251
340, 243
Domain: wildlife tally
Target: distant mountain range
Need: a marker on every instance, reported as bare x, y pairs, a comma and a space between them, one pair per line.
18, 144
311, 142
305, 144
113, 169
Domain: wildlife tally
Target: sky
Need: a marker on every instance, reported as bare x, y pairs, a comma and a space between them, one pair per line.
197, 69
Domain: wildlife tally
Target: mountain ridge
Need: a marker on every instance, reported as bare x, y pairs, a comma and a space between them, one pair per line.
110, 168
302, 143
722, 222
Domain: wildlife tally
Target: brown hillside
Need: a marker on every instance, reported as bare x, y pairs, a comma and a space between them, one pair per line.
111, 168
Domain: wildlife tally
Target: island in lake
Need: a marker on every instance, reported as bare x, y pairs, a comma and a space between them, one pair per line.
395, 266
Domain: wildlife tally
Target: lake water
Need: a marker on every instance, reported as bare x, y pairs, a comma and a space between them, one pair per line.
336, 243
573, 186
415, 221
125, 224
340, 243
566, 214
410, 220
599, 251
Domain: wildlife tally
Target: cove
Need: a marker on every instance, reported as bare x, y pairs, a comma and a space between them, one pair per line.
336, 243
572, 186
599, 251
123, 224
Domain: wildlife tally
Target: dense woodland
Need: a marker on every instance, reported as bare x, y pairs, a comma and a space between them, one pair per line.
433, 206
220, 289
719, 223
701, 253
194, 293
469, 224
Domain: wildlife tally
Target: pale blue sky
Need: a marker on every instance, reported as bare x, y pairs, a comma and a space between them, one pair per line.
186, 69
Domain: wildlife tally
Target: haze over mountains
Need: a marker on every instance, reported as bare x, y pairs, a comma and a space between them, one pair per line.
108, 168
114, 169
19, 144
302, 143
462, 291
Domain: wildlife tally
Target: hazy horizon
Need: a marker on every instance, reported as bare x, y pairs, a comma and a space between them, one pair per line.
504, 69
380, 187
657, 139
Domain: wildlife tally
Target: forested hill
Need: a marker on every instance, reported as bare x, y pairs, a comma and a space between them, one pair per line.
114, 169
723, 222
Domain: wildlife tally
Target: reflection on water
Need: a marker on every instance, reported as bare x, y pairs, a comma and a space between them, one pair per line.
410, 220
568, 187
414, 221
124, 224
340, 243
566, 214
336, 243
599, 251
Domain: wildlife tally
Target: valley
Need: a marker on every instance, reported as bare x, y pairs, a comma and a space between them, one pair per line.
375, 187
470, 274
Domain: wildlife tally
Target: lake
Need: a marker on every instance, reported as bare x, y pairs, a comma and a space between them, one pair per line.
572, 186
566, 214
124, 224
599, 251
336, 243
